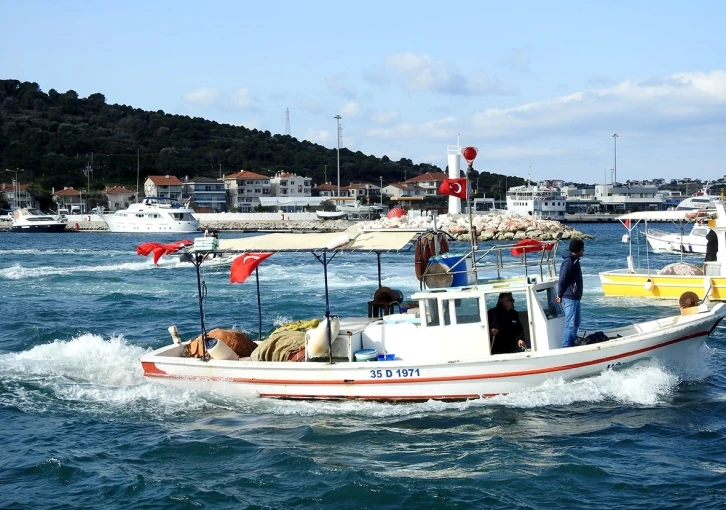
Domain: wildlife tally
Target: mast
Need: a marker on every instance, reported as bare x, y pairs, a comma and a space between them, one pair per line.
138, 166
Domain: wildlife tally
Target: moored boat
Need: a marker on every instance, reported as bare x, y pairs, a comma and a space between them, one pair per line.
693, 242
153, 214
440, 347
29, 219
332, 215
670, 282
540, 201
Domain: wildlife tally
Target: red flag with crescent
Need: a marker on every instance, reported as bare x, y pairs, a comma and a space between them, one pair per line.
243, 266
454, 187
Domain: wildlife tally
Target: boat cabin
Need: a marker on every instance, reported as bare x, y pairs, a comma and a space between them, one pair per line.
453, 324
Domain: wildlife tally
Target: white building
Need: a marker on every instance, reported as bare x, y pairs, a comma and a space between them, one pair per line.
285, 184
168, 186
245, 189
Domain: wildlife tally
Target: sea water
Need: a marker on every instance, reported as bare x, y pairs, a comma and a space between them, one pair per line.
83, 429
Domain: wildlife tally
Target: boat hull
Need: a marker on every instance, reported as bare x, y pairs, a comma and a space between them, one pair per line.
674, 243
624, 284
49, 228
406, 380
128, 225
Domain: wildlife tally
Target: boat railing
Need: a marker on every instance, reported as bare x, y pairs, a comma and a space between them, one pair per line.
505, 261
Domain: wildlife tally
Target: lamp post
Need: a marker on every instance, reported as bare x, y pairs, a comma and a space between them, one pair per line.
338, 117
16, 184
615, 168
88, 172
381, 191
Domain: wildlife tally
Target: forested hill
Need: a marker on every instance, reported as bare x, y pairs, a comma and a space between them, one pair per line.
52, 136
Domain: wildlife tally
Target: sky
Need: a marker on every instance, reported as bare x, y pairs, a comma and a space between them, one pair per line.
539, 88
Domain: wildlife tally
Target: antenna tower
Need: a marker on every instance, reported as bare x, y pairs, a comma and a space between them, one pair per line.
287, 121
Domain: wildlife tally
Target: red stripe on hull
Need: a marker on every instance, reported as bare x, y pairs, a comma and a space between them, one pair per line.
151, 370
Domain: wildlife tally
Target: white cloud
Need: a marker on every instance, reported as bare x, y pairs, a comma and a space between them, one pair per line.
677, 102
239, 99
320, 137
203, 96
385, 117
439, 129
421, 73
350, 109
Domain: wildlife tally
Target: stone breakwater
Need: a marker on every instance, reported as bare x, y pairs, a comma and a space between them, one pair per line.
491, 227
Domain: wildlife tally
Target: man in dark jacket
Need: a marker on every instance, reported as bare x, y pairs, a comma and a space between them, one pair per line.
507, 333
711, 246
569, 291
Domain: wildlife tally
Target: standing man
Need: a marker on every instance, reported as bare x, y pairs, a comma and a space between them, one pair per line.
569, 291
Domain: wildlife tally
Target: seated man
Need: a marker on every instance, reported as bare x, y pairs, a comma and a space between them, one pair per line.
507, 333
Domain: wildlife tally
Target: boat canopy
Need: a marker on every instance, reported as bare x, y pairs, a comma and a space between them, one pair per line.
367, 240
682, 215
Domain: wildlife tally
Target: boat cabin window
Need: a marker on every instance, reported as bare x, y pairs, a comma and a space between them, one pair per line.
431, 311
551, 308
465, 310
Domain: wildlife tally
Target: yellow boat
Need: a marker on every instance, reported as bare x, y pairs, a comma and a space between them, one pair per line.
672, 281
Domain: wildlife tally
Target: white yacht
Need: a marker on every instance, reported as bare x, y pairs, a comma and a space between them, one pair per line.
702, 200
541, 201
694, 242
29, 219
153, 214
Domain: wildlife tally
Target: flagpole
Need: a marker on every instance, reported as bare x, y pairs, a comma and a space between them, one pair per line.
259, 306
470, 154
472, 228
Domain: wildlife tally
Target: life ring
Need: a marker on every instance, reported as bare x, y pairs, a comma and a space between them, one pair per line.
530, 245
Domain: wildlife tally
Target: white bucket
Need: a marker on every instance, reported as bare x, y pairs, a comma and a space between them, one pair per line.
220, 351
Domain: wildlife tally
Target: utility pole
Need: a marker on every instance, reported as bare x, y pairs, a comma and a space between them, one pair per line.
338, 117
16, 184
615, 168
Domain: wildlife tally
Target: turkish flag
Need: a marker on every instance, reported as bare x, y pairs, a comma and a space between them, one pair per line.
243, 266
159, 249
454, 187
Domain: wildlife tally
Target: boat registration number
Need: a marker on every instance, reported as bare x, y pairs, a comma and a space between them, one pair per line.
382, 373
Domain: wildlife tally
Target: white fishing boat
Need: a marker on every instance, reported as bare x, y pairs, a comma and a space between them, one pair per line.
153, 214
706, 279
674, 242
541, 201
29, 219
440, 348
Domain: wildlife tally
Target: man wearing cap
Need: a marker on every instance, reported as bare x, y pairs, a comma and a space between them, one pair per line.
506, 330
569, 291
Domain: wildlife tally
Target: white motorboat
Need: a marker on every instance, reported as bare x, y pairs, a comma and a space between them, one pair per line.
153, 214
539, 201
700, 201
29, 219
693, 242
331, 215
358, 211
439, 348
